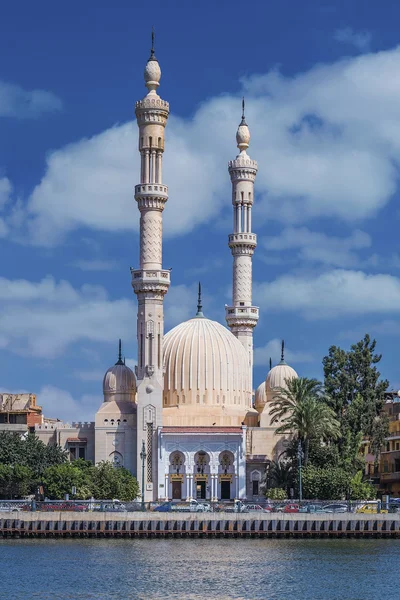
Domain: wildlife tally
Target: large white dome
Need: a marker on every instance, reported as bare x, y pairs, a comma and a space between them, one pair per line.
206, 368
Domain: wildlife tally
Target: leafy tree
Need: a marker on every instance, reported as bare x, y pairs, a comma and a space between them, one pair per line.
361, 490
356, 393
60, 479
330, 483
109, 482
15, 481
301, 409
280, 474
276, 494
29, 451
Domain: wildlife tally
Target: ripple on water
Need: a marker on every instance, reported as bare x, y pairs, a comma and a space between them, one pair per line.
235, 569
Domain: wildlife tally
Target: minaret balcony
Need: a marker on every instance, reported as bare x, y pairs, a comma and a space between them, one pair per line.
242, 243
242, 311
157, 190
151, 280
251, 238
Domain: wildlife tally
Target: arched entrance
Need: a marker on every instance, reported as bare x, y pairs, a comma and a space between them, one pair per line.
226, 473
201, 475
176, 474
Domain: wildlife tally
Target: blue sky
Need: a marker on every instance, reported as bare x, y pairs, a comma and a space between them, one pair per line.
322, 88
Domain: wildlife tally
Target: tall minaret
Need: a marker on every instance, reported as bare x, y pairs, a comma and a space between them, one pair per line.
150, 282
242, 317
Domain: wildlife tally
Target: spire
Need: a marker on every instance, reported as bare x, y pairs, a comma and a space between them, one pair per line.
243, 133
243, 121
283, 353
152, 55
152, 71
199, 305
270, 363
119, 361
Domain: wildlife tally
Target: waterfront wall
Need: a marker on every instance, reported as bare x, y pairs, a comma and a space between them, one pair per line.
138, 524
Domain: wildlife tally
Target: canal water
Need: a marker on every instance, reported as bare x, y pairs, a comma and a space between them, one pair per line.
148, 569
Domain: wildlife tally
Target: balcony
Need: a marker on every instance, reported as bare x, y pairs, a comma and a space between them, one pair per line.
390, 477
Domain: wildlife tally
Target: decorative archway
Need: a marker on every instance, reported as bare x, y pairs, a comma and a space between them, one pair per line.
226, 475
177, 472
116, 459
201, 475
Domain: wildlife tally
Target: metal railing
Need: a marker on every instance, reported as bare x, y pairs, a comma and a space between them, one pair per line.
287, 506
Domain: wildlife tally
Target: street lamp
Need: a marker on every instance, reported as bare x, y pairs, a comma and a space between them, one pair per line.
143, 456
299, 453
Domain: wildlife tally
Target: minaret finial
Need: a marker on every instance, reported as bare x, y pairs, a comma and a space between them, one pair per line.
270, 363
199, 304
119, 361
243, 117
283, 351
152, 55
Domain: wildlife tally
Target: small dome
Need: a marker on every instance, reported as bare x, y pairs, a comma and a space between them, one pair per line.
277, 377
119, 382
261, 397
243, 136
152, 74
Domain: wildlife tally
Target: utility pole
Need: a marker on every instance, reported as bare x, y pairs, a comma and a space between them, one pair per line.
143, 456
299, 453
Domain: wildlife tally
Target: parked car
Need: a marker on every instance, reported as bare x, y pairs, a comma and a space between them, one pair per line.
336, 508
164, 507
191, 506
257, 508
291, 508
10, 509
312, 508
370, 508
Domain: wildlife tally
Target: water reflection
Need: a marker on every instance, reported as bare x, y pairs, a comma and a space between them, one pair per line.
199, 569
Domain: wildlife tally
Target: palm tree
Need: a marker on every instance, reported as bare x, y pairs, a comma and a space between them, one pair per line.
301, 409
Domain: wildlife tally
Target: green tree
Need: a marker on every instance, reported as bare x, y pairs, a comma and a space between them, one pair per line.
276, 494
330, 483
356, 393
109, 482
360, 489
15, 481
29, 451
60, 479
280, 474
301, 410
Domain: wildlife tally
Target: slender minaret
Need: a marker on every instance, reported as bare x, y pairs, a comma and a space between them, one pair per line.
150, 282
242, 317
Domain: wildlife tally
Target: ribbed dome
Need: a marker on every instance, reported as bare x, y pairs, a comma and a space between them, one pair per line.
276, 379
261, 397
205, 366
119, 382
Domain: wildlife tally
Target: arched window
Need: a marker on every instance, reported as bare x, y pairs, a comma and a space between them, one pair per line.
116, 459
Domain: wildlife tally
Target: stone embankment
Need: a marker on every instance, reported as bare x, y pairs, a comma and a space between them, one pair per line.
153, 524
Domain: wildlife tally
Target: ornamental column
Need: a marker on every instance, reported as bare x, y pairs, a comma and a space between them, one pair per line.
150, 283
242, 316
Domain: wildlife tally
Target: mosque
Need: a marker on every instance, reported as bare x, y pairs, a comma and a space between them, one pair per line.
185, 421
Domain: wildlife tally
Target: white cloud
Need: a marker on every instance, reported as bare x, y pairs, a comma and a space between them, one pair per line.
327, 142
95, 265
60, 404
42, 318
318, 247
336, 293
272, 349
359, 39
26, 104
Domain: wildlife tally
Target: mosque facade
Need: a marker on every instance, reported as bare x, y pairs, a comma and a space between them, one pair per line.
185, 422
